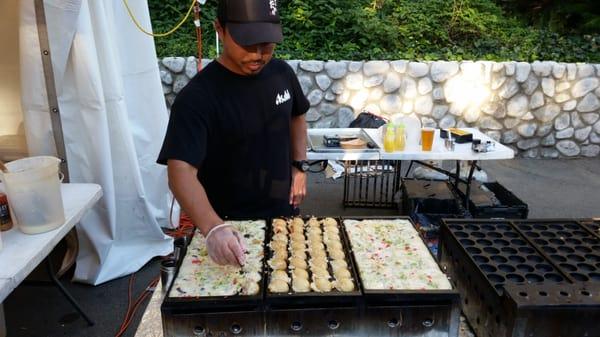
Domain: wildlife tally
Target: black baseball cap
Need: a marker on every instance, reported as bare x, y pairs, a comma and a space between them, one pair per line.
251, 21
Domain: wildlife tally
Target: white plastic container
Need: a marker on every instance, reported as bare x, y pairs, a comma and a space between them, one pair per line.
33, 189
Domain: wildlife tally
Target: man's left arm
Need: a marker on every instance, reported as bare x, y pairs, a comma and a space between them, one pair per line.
298, 143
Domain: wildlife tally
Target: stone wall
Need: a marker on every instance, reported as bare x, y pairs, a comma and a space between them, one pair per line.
540, 109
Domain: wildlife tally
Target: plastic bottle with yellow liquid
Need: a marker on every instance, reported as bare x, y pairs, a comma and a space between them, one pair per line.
389, 138
399, 138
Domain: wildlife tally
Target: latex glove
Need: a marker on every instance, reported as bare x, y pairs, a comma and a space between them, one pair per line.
226, 246
298, 189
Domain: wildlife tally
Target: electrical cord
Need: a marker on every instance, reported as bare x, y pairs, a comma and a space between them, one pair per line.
139, 26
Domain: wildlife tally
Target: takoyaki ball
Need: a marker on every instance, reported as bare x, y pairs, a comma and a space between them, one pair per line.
334, 245
277, 245
338, 264
300, 253
277, 264
344, 284
321, 285
280, 237
329, 222
320, 272
300, 273
280, 254
341, 273
316, 245
300, 285
315, 238
297, 237
337, 254
298, 246
313, 222
318, 263
297, 221
278, 286
280, 275
314, 230
318, 254
297, 262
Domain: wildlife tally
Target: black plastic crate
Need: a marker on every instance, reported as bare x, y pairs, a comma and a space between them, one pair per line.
512, 285
503, 205
428, 196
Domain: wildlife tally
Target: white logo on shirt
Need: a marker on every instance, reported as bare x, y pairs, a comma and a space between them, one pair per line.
282, 98
273, 6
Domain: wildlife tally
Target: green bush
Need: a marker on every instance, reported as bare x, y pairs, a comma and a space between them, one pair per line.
386, 29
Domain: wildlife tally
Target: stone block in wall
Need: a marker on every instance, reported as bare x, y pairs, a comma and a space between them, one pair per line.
323, 81
417, 69
312, 66
562, 121
565, 134
542, 69
336, 70
442, 71
583, 133
530, 84
569, 105
589, 103
549, 153
590, 151
590, 118
568, 148
399, 66
558, 70
191, 67
584, 86
180, 82
372, 68
345, 116
174, 64
522, 72
547, 113
294, 64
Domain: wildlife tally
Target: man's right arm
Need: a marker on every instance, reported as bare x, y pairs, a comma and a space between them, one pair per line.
224, 244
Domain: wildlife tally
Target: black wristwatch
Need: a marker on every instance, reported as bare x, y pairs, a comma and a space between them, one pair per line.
301, 165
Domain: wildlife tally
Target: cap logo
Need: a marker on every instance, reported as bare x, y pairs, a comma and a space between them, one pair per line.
273, 6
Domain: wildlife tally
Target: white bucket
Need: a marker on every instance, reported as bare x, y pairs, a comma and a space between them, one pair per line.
33, 190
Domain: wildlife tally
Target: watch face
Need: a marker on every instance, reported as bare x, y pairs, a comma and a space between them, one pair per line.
305, 166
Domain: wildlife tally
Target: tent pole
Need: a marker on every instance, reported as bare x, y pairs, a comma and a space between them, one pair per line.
57, 130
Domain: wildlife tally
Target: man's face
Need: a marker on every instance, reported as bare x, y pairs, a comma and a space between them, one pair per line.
243, 60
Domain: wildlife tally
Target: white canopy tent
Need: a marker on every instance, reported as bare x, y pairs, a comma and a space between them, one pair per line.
113, 119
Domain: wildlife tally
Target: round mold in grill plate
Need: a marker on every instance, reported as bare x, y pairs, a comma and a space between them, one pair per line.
567, 267
590, 241
484, 242
544, 267
472, 228
596, 248
549, 249
540, 242
516, 258
548, 234
511, 234
553, 277
535, 258
525, 227
532, 234
580, 233
534, 278
556, 227
594, 276
576, 257
516, 278
540, 227
473, 250
556, 241
558, 258
504, 227
456, 227
495, 278
507, 268
592, 257
494, 235
579, 277
501, 242
526, 250
572, 241
491, 250
478, 235
564, 234
525, 268
566, 250
585, 267
488, 268
508, 250
499, 259
488, 227
460, 234
572, 226
467, 242
480, 259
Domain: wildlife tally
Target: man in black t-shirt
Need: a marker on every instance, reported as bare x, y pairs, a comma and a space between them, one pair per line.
236, 141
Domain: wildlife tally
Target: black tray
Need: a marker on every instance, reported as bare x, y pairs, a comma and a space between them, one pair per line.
400, 297
509, 207
213, 304
512, 286
312, 299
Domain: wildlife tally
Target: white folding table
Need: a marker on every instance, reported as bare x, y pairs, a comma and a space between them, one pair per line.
461, 152
23, 252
